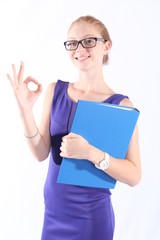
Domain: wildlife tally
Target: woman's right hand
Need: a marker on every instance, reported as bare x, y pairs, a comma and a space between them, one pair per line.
24, 96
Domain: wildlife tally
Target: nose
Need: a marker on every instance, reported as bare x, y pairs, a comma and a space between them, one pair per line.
79, 46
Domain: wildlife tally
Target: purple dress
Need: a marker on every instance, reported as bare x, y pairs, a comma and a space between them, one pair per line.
73, 212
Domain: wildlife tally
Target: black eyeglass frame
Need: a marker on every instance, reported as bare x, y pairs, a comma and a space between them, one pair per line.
80, 42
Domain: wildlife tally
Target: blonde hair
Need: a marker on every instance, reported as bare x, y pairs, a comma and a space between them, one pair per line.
99, 26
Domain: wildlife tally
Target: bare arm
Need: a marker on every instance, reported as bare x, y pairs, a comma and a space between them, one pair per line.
39, 145
127, 170
38, 138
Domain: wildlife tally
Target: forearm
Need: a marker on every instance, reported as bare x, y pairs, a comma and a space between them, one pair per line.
125, 170
35, 140
122, 170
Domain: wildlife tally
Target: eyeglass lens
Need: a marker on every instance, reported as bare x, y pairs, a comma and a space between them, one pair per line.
86, 43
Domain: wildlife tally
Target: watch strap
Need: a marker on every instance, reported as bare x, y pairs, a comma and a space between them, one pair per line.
104, 164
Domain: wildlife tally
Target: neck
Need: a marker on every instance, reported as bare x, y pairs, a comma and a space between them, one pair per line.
91, 81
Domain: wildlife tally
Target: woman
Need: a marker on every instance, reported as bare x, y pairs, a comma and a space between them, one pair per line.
74, 212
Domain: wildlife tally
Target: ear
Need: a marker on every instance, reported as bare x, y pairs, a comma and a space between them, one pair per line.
107, 47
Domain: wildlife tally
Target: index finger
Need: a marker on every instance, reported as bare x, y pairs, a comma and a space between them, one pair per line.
21, 72
14, 74
31, 79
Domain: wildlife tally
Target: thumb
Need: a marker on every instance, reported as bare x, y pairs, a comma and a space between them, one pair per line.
70, 135
34, 81
73, 135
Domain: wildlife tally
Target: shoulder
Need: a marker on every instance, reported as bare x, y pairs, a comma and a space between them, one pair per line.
55, 88
49, 93
126, 102
50, 89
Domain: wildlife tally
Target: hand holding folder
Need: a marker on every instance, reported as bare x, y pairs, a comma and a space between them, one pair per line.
108, 127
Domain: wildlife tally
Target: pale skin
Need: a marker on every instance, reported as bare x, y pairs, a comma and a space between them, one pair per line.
90, 86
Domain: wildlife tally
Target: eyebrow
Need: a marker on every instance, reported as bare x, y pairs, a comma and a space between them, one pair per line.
85, 36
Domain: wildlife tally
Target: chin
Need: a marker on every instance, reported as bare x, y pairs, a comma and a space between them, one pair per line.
81, 66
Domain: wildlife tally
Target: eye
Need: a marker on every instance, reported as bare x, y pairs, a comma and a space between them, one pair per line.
89, 41
71, 44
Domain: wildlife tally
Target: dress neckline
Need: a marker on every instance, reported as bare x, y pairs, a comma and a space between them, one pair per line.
74, 102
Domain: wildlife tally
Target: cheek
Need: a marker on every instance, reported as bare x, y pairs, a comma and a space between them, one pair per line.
72, 58
99, 55
71, 54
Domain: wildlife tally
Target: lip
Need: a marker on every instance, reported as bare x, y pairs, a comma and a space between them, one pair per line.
82, 58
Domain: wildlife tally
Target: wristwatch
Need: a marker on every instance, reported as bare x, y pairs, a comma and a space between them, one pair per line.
104, 164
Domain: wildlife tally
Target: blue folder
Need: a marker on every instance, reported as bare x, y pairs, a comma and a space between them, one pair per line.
108, 127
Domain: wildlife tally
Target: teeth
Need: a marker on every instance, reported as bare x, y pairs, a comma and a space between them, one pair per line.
82, 58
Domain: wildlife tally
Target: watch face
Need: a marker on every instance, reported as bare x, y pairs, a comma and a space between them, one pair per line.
103, 164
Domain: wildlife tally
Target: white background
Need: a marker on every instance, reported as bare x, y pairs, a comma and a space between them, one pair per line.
34, 31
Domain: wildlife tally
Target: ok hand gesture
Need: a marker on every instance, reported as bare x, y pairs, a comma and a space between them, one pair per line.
24, 96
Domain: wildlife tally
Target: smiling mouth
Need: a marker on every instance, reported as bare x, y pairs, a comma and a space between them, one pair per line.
82, 59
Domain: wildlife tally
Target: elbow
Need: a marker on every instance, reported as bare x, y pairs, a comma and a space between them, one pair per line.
42, 154
41, 157
135, 180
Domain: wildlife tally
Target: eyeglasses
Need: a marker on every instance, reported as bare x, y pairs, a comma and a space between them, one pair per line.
86, 43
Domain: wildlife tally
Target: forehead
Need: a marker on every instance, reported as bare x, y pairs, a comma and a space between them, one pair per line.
82, 30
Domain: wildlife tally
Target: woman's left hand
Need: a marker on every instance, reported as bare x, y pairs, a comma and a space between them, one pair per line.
74, 146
